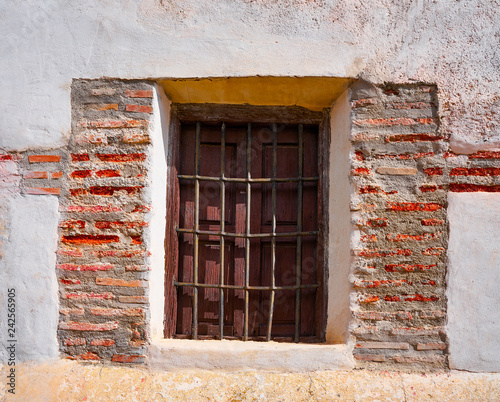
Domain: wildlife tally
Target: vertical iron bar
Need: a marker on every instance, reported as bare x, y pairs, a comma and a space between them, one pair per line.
196, 227
222, 227
273, 230
247, 231
298, 268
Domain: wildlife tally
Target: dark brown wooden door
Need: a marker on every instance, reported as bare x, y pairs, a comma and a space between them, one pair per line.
288, 220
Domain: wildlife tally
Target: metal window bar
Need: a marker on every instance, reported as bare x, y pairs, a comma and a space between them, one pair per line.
247, 230
222, 227
299, 234
273, 238
196, 228
298, 268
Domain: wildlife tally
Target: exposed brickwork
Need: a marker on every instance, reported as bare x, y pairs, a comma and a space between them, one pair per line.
103, 209
398, 276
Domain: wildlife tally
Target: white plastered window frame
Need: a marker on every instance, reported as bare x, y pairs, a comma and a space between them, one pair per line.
336, 352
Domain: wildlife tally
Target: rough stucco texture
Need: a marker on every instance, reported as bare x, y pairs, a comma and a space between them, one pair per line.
46, 44
473, 278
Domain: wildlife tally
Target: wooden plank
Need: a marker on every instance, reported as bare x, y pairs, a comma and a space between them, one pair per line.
218, 113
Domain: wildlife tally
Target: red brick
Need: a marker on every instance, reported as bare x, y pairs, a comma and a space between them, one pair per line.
409, 105
136, 138
408, 267
110, 190
383, 253
105, 106
475, 171
368, 238
90, 239
432, 222
90, 267
433, 251
406, 156
431, 346
74, 341
377, 222
102, 342
397, 121
433, 171
413, 138
80, 174
360, 171
362, 102
93, 208
57, 175
70, 281
450, 155
375, 190
90, 296
470, 188
392, 298
428, 283
36, 175
70, 252
72, 311
368, 299
417, 331
485, 155
138, 108
419, 298
413, 206
136, 157
379, 283
370, 357
128, 358
44, 158
112, 124
43, 190
359, 156
108, 173
428, 188
5, 157
133, 299
80, 157
119, 224
115, 312
75, 192
119, 282
72, 224
139, 93
119, 253
88, 326
137, 268
383, 345
420, 237
85, 356
136, 239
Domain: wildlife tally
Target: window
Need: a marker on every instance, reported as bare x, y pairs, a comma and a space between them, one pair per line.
245, 235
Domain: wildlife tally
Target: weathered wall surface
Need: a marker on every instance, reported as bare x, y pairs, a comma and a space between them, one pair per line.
450, 43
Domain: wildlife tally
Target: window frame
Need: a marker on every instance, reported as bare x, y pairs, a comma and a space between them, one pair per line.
218, 113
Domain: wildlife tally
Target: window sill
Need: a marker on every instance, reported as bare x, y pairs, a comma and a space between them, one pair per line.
176, 354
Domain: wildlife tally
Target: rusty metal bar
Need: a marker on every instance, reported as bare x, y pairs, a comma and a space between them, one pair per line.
196, 228
222, 227
273, 238
247, 180
250, 236
298, 264
236, 287
247, 230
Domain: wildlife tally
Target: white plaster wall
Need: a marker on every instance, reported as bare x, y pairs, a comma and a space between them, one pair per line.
29, 268
474, 282
46, 44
